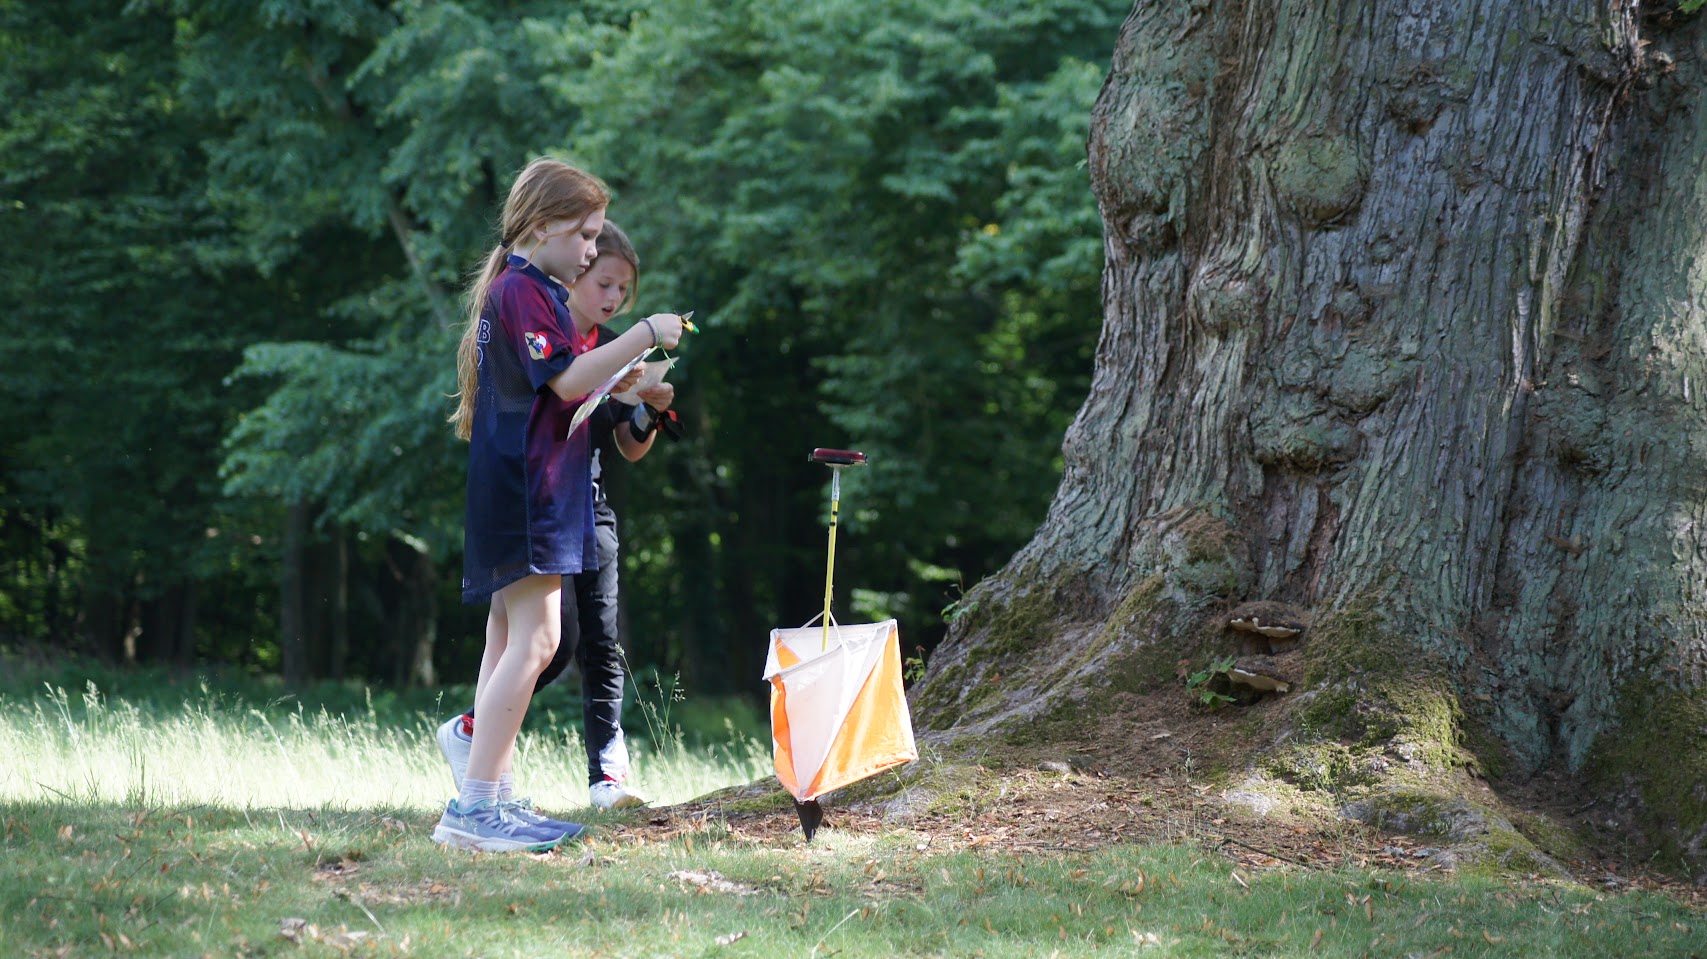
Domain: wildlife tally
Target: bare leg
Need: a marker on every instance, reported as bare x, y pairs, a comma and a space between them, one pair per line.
529, 608
497, 637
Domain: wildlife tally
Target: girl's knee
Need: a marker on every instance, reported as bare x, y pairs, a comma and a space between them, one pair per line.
538, 651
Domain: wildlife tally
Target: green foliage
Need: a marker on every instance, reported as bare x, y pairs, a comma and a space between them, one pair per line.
117, 336
913, 667
958, 608
1208, 685
881, 212
825, 195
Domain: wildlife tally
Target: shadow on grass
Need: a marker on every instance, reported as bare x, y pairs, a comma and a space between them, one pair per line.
205, 880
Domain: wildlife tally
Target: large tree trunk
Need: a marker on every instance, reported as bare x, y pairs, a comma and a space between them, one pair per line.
1404, 326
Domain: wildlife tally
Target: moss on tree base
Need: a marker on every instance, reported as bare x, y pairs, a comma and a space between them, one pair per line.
1473, 836
1381, 729
1654, 765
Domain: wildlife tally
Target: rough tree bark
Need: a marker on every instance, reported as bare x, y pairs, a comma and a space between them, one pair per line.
1404, 325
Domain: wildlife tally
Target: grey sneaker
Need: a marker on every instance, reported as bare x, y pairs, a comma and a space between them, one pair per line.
490, 826
523, 809
610, 794
455, 747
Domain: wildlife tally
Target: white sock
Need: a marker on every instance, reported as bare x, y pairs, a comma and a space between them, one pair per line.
506, 786
476, 791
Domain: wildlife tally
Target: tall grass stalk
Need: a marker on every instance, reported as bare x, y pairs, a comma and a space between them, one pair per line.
92, 749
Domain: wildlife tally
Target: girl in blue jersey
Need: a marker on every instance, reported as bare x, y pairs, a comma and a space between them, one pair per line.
589, 612
522, 369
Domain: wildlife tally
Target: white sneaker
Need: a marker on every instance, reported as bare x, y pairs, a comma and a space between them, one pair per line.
455, 748
610, 794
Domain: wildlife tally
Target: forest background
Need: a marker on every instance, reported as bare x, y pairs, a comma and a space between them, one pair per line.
235, 237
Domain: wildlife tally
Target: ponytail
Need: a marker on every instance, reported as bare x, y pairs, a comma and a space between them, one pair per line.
468, 351
544, 190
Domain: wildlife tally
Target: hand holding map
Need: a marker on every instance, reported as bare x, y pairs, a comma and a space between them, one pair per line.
655, 370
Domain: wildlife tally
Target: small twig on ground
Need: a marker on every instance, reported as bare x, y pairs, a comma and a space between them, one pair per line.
1229, 840
345, 895
832, 931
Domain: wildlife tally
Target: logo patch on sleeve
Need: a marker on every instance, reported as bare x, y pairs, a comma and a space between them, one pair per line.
538, 345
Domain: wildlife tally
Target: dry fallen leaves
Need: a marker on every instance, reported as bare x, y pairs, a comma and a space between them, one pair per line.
300, 931
711, 881
293, 928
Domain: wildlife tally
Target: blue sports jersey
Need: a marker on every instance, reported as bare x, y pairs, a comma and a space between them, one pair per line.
530, 491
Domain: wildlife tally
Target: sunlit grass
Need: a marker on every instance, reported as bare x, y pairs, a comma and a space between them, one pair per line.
82, 747
194, 822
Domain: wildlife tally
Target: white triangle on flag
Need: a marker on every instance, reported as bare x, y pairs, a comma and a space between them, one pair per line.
822, 687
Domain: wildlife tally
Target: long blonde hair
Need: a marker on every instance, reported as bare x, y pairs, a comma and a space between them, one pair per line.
546, 189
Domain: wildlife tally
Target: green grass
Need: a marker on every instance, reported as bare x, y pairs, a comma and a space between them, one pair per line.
225, 882
198, 743
220, 828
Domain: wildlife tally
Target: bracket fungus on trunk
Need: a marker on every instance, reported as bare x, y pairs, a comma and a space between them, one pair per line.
1260, 673
1269, 627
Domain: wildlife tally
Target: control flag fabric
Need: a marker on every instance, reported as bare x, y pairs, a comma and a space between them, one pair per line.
838, 714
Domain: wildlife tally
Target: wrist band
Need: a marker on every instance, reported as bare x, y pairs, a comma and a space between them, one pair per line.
642, 423
648, 321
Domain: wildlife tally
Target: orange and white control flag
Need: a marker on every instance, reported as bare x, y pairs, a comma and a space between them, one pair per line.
838, 711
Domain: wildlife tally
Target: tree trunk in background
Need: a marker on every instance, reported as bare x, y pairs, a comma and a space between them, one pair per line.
413, 614
162, 625
293, 612
101, 623
53, 602
425, 599
183, 654
759, 543
1404, 326
616, 491
340, 626
703, 639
